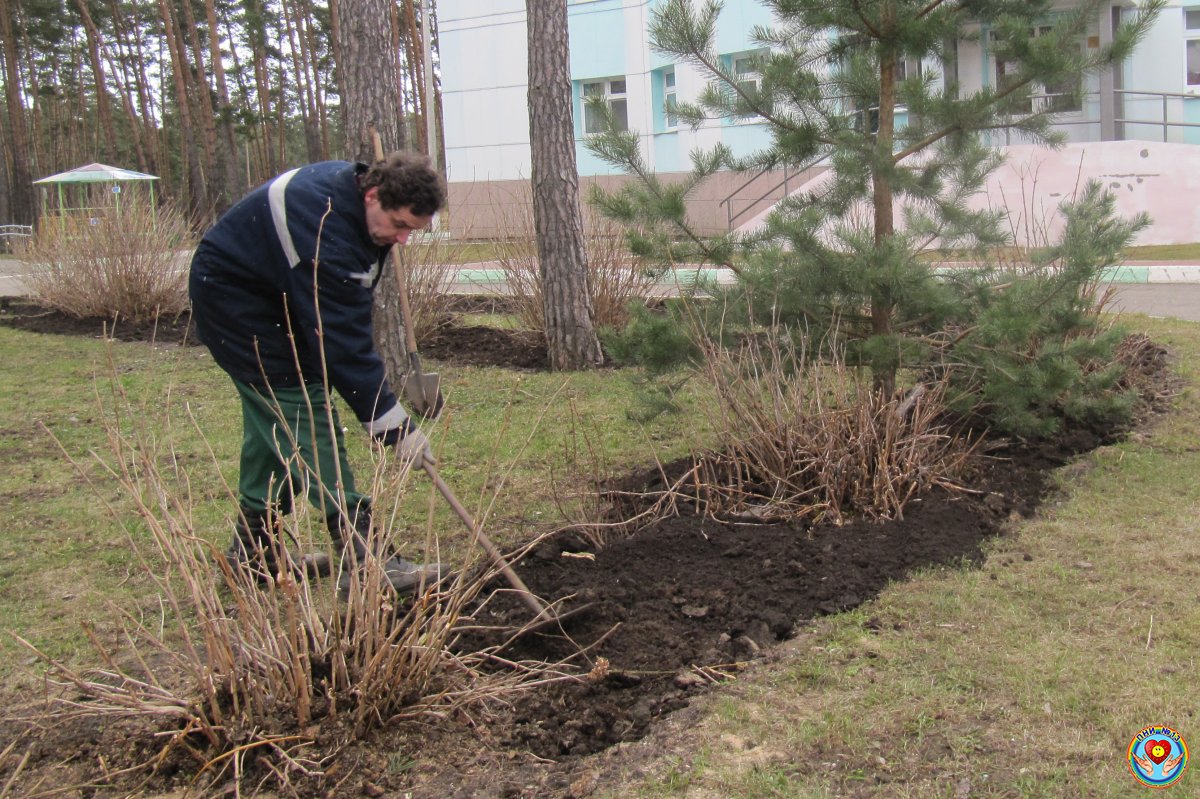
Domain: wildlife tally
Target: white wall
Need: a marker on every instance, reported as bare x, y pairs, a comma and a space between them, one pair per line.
484, 75
1157, 178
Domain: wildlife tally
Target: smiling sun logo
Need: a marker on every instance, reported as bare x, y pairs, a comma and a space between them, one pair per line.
1158, 757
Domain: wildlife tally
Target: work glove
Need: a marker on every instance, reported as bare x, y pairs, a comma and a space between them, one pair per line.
413, 447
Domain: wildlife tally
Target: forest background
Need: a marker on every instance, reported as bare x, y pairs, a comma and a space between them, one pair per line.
211, 96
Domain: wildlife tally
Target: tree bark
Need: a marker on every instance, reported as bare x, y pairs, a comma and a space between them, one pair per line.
292, 15
370, 72
232, 185
22, 204
203, 112
562, 257
193, 166
133, 64
103, 102
414, 61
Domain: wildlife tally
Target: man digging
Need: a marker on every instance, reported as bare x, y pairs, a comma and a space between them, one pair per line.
281, 290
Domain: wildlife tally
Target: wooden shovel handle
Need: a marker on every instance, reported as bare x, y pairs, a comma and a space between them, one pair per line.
513, 578
410, 338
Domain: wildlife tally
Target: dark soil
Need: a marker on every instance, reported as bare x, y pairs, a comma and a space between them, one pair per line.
683, 602
455, 344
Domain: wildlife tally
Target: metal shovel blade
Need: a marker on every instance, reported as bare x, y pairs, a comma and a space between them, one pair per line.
423, 390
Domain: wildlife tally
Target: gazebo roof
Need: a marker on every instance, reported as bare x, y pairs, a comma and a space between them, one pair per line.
96, 173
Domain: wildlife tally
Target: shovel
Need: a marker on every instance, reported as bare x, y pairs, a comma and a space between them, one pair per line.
422, 390
542, 616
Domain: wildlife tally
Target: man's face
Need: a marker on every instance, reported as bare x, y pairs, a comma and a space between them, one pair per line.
392, 225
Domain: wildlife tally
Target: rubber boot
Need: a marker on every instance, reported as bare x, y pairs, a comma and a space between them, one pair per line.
403, 576
256, 548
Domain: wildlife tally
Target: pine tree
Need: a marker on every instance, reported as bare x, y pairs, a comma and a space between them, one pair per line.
836, 259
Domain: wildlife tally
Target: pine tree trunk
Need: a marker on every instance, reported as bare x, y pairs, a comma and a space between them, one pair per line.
370, 71
103, 102
415, 60
129, 47
21, 206
204, 113
398, 47
882, 304
233, 186
562, 257
193, 166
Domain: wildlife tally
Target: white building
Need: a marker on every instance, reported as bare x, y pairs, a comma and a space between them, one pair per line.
1154, 97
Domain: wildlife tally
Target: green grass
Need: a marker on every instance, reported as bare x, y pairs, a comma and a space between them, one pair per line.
1151, 252
1165, 252
1025, 677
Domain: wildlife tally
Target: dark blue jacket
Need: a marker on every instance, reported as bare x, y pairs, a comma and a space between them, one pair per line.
252, 282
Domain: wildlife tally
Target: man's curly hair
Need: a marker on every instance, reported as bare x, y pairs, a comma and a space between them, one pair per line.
406, 180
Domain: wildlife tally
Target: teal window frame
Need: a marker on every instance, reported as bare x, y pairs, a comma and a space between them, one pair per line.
664, 97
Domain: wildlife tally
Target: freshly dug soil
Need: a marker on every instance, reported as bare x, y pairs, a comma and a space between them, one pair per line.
689, 594
466, 345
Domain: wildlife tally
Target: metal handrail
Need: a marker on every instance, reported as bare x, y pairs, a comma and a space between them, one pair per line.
788, 175
10, 232
1164, 122
730, 216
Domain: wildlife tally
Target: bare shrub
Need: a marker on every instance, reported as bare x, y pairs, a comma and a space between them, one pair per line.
233, 674
432, 263
131, 264
615, 277
807, 439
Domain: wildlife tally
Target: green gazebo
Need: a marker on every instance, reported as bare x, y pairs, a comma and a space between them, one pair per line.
78, 190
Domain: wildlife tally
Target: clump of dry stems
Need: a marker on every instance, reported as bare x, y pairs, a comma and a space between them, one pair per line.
807, 438
431, 263
233, 674
615, 277
126, 261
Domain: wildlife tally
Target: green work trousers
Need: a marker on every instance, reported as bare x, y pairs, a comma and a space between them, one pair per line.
291, 444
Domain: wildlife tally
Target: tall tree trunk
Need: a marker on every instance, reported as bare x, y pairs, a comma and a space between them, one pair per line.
398, 48
22, 204
203, 112
103, 103
6, 183
414, 50
232, 184
193, 169
370, 71
256, 35
135, 124
321, 81
562, 256
312, 140
882, 303
131, 43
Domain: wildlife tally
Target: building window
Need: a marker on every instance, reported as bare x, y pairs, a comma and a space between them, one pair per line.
612, 90
745, 75
1191, 25
1057, 97
908, 68
670, 102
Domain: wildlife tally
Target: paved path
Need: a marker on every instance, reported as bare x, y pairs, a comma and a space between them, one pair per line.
1157, 290
10, 285
1178, 300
